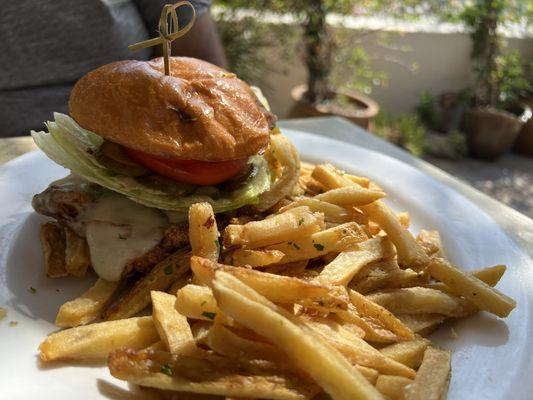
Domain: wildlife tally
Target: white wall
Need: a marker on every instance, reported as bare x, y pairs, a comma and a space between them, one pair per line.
443, 59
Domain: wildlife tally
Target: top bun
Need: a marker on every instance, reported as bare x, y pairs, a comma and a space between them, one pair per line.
200, 112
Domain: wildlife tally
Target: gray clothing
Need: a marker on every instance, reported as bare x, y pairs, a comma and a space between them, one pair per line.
46, 46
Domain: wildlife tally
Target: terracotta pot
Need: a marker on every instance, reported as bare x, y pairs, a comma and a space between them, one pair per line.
366, 107
524, 141
490, 132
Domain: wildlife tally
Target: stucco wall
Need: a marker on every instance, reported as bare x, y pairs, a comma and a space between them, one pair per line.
443, 60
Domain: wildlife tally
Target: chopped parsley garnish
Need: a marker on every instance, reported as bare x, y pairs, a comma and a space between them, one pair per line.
294, 245
168, 270
217, 243
210, 315
166, 369
301, 221
13, 323
32, 290
318, 246
122, 237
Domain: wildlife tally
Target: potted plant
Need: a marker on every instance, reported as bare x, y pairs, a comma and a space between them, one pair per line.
492, 125
319, 96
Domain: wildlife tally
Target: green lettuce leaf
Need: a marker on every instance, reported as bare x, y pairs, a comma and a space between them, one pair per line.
73, 147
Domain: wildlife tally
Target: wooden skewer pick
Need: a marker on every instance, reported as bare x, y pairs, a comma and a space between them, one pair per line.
169, 30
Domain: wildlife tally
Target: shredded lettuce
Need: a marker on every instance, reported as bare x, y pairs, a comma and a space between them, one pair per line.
73, 147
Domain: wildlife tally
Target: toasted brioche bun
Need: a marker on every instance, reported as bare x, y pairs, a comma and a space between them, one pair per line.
200, 112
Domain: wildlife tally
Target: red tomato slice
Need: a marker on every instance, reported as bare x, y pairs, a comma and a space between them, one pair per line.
188, 171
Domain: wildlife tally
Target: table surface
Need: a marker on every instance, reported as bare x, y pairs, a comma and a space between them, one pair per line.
516, 225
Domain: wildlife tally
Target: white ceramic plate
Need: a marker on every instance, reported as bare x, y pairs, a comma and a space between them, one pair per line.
492, 358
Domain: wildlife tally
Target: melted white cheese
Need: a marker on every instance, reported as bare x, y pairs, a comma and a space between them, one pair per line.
118, 231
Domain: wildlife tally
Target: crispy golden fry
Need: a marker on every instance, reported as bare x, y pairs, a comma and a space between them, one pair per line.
352, 196
210, 374
490, 275
360, 180
173, 328
430, 242
303, 347
403, 218
422, 324
332, 178
433, 377
332, 212
347, 264
77, 258
53, 246
289, 225
200, 331
158, 346
160, 277
386, 274
277, 288
286, 155
419, 300
408, 353
410, 253
203, 231
295, 268
257, 258
327, 241
197, 302
377, 314
96, 341
392, 386
478, 292
88, 306
357, 351
223, 341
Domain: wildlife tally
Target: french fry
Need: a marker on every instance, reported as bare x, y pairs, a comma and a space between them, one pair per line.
332, 178
257, 258
77, 258
433, 377
173, 328
410, 253
303, 347
88, 306
430, 242
347, 264
197, 302
203, 231
332, 212
53, 246
277, 288
294, 223
419, 300
160, 277
408, 353
360, 180
352, 196
327, 241
377, 314
490, 275
295, 268
210, 374
371, 375
422, 324
96, 341
392, 386
359, 352
200, 331
385, 274
225, 342
478, 292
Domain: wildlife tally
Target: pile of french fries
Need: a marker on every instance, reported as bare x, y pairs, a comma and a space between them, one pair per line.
327, 294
